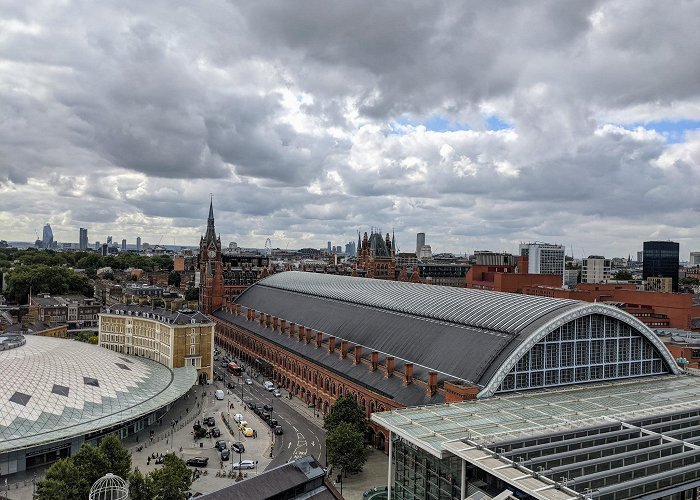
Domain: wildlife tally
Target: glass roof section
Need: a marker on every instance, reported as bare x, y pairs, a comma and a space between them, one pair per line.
498, 311
519, 415
75, 388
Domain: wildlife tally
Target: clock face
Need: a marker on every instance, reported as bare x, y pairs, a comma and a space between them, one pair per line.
212, 254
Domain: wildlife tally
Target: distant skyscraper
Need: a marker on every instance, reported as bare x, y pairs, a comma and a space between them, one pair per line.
124, 245
138, 244
420, 243
595, 269
640, 256
47, 237
83, 239
661, 260
695, 258
109, 241
105, 250
330, 249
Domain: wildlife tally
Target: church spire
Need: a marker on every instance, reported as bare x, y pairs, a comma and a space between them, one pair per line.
211, 232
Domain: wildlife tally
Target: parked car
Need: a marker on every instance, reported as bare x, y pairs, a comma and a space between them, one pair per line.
276, 393
238, 417
210, 421
265, 416
231, 385
247, 432
244, 464
272, 422
224, 364
197, 461
250, 404
218, 378
259, 409
215, 432
279, 430
242, 424
238, 447
220, 445
248, 381
269, 385
225, 454
267, 407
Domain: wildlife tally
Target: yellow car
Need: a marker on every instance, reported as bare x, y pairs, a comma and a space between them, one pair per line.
242, 424
247, 432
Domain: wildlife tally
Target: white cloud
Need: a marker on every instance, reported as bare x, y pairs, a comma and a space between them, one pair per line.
298, 118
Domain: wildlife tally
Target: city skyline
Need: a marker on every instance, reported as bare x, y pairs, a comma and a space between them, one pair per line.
481, 127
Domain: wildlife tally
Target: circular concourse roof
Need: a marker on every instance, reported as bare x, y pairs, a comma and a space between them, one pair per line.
53, 389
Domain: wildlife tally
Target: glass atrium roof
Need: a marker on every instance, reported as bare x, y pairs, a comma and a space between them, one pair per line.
53, 389
520, 415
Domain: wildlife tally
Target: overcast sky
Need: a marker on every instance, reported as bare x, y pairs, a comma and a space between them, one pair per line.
482, 124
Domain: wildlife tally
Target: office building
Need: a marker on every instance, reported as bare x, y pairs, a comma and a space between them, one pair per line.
425, 253
109, 241
138, 244
350, 249
487, 258
173, 339
541, 258
659, 284
83, 239
661, 260
124, 245
105, 250
694, 259
640, 256
47, 237
570, 278
595, 269
420, 243
76, 311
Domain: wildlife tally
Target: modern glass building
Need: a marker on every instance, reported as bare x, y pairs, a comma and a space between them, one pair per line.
661, 259
57, 394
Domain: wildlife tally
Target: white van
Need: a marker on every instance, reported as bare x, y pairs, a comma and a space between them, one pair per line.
270, 386
219, 394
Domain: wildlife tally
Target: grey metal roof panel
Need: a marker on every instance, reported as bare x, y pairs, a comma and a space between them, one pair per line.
506, 312
455, 350
458, 332
391, 387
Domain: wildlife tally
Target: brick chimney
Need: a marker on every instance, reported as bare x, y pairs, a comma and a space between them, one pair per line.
389, 366
268, 320
300, 333
262, 318
408, 373
283, 325
358, 355
307, 337
251, 314
319, 339
292, 329
331, 344
343, 349
375, 361
275, 323
432, 383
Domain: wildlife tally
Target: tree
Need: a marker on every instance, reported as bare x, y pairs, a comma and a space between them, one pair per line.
623, 275
42, 278
173, 480
174, 278
92, 465
192, 294
117, 455
140, 486
63, 481
345, 410
346, 448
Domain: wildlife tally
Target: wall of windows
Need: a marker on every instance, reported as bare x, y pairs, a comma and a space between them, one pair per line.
588, 349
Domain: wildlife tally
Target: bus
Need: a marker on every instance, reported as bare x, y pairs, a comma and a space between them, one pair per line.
234, 369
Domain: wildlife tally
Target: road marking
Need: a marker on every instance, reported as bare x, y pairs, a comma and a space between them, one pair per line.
289, 445
313, 444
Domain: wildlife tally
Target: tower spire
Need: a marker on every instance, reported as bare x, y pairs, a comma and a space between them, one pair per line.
211, 231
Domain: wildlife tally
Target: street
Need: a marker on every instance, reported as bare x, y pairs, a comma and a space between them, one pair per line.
301, 436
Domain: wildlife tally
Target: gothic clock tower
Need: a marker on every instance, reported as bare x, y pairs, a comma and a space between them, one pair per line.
211, 276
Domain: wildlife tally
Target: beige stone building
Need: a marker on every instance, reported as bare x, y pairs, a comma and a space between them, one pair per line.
174, 339
659, 284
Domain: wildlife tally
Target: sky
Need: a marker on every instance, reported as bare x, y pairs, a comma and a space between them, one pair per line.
482, 124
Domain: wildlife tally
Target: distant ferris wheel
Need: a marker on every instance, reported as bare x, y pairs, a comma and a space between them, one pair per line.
268, 247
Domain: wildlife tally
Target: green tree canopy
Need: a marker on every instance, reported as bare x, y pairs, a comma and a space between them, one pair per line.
345, 410
140, 486
192, 293
118, 457
174, 278
346, 448
41, 278
623, 275
92, 465
64, 481
173, 480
